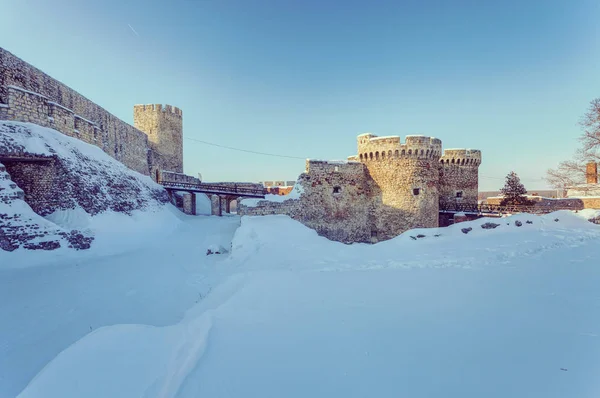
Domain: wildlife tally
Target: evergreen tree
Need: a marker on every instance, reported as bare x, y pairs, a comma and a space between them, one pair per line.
513, 191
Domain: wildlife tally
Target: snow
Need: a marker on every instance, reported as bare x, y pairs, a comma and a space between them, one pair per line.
85, 120
588, 213
340, 162
60, 106
26, 91
493, 312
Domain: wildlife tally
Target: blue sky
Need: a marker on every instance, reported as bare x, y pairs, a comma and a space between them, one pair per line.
303, 78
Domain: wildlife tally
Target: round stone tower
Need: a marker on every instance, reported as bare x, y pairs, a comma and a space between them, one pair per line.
408, 176
164, 127
459, 178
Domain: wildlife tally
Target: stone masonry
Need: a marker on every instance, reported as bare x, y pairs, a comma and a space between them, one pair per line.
163, 125
388, 188
29, 95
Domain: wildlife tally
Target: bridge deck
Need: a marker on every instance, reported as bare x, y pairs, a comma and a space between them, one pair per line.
214, 189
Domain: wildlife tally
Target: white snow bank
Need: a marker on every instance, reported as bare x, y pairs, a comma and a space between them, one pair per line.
281, 236
113, 233
203, 205
154, 360
588, 213
133, 360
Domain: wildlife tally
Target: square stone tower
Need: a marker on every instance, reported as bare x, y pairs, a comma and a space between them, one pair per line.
164, 127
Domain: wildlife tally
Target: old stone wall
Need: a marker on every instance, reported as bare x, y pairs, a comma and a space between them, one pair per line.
164, 127
29, 95
37, 179
459, 177
591, 203
171, 176
336, 201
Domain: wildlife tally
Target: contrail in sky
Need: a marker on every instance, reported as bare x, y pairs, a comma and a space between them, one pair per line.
133, 30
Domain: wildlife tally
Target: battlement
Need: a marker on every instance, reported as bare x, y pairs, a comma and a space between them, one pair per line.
461, 157
372, 147
331, 166
158, 108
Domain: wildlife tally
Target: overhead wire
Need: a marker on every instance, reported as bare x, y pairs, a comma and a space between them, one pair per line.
304, 158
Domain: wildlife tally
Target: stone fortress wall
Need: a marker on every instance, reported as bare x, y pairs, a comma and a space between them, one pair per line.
164, 126
29, 95
459, 176
384, 190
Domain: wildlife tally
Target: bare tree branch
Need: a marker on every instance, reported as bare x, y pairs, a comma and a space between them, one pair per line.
573, 172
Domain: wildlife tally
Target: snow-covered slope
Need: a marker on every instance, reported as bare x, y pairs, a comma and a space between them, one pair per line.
506, 311
85, 181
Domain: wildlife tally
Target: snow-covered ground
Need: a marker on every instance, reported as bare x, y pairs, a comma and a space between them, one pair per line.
505, 312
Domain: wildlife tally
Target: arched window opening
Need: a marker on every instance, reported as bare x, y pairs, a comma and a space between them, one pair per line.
422, 152
409, 152
452, 161
361, 157
396, 153
390, 153
383, 155
371, 155
377, 155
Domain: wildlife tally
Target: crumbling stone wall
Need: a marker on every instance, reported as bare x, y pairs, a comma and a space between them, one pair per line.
336, 201
37, 180
177, 177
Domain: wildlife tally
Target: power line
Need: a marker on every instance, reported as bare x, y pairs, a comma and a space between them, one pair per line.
245, 150
304, 158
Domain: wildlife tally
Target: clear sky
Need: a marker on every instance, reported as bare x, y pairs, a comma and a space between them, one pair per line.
303, 78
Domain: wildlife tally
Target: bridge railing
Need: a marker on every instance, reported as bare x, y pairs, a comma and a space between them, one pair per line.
214, 188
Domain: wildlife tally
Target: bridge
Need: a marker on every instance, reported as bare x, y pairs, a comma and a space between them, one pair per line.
221, 194
228, 188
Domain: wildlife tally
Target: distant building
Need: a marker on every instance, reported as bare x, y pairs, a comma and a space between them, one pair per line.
589, 192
